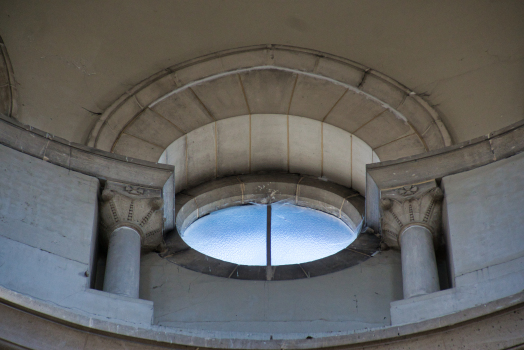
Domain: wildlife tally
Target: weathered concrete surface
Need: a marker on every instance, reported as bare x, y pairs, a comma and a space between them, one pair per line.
223, 97
450, 160
485, 216
233, 140
80, 158
419, 266
361, 155
456, 300
343, 301
47, 207
336, 156
201, 155
177, 107
278, 80
154, 129
483, 225
176, 154
269, 146
122, 274
8, 90
48, 222
305, 150
437, 164
501, 327
269, 143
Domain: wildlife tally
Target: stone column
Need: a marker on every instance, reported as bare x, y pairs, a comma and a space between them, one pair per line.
411, 220
419, 266
130, 222
122, 275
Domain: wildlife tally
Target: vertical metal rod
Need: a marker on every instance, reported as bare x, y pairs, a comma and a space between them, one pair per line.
269, 273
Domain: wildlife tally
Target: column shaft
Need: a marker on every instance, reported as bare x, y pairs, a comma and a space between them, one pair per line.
419, 266
122, 274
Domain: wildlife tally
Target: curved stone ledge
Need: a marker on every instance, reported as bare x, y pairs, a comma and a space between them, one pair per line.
269, 79
80, 158
455, 159
50, 325
435, 165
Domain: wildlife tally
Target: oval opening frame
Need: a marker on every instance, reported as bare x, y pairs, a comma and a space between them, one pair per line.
342, 202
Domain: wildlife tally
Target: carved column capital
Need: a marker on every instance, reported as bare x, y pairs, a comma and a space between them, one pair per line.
135, 207
411, 205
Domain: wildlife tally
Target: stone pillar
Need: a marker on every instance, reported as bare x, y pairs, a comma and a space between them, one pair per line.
411, 221
122, 275
130, 222
419, 266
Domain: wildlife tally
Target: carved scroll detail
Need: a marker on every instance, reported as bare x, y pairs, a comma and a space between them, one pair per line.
133, 209
408, 206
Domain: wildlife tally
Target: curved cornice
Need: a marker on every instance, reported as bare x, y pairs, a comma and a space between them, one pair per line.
269, 79
61, 324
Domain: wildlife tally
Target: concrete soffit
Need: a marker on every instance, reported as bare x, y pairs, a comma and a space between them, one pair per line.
269, 79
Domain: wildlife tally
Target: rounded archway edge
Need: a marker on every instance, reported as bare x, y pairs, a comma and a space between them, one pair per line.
428, 131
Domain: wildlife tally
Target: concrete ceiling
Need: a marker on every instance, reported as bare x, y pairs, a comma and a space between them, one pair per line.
73, 56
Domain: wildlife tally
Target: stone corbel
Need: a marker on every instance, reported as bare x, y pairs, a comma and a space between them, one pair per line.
135, 207
411, 205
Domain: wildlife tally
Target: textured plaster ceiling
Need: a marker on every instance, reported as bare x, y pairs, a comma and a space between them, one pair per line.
74, 56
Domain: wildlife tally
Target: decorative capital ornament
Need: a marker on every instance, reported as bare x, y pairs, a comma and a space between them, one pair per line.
411, 205
134, 207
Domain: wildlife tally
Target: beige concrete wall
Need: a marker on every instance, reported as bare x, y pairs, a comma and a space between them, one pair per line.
483, 223
48, 227
269, 143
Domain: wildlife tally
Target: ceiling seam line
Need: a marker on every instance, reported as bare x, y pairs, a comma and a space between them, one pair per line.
351, 161
429, 127
249, 112
127, 125
321, 149
141, 139
369, 121
269, 67
187, 172
387, 143
169, 121
288, 109
288, 147
138, 102
202, 103
340, 98
216, 150
419, 136
244, 93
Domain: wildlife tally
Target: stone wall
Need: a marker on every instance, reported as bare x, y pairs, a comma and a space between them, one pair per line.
483, 223
351, 299
48, 226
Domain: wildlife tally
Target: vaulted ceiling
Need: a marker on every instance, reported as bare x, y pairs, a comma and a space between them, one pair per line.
73, 59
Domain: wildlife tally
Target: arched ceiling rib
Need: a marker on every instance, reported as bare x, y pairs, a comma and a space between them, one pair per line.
390, 118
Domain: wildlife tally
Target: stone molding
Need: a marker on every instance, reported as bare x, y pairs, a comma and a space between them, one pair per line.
437, 164
82, 159
135, 207
147, 110
408, 206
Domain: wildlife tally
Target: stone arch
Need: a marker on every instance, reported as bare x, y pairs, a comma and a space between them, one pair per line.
269, 79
